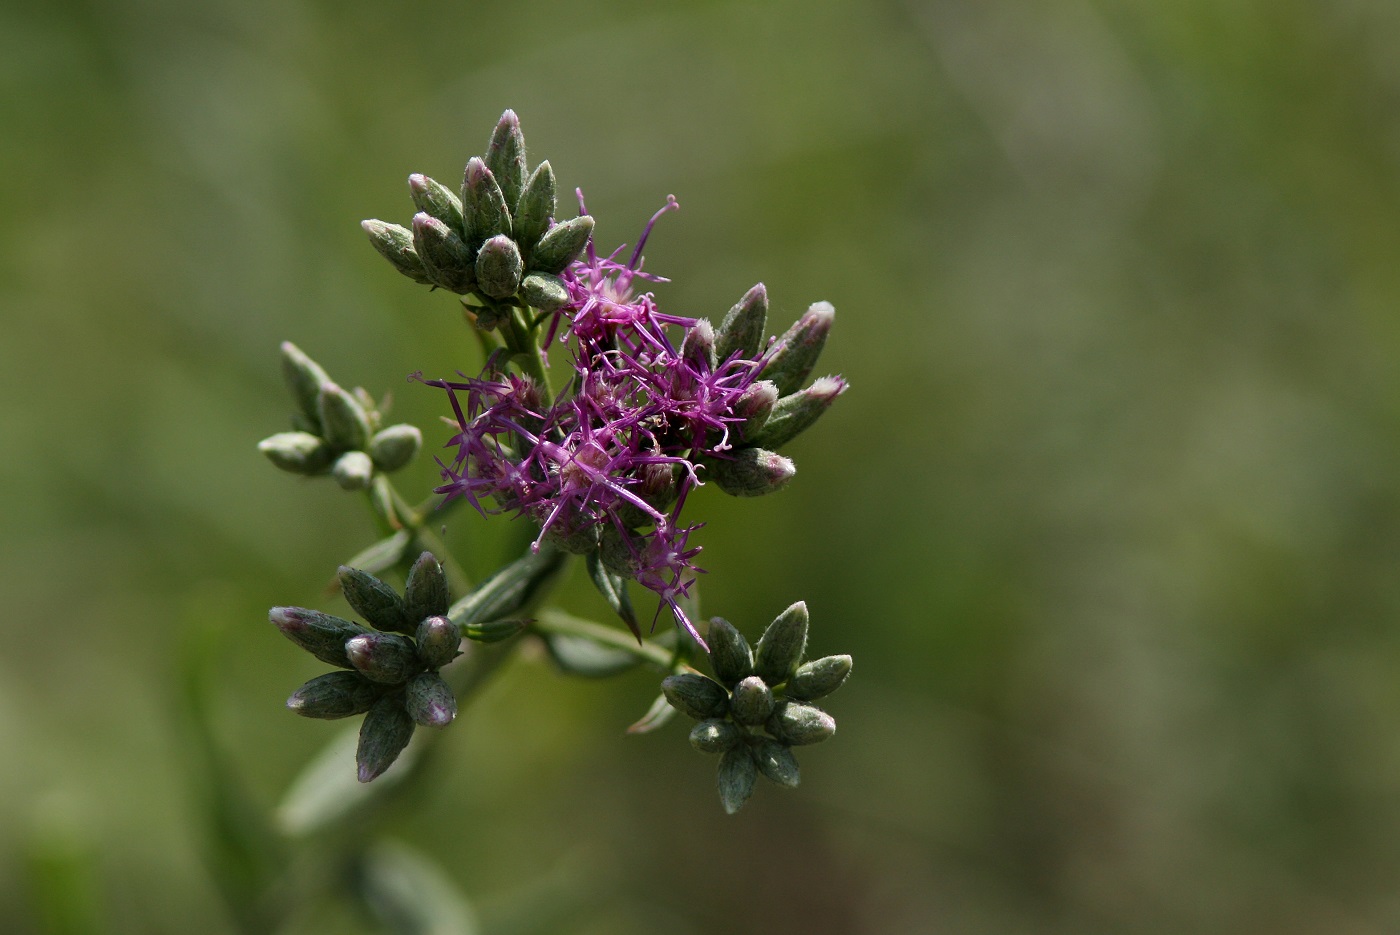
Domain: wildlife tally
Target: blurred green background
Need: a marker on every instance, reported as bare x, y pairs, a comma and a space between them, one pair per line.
1110, 519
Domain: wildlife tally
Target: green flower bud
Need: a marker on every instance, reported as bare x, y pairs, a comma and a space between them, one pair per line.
334, 695
776, 762
737, 773
429, 700
499, 267
505, 156
712, 736
818, 678
544, 291
695, 695
752, 472
444, 253
304, 378
344, 422
561, 245
781, 647
493, 631
799, 724
438, 639
794, 354
794, 414
483, 205
320, 634
394, 447
435, 199
395, 244
752, 701
535, 208
699, 345
297, 452
374, 600
730, 655
425, 593
353, 470
742, 327
386, 730
754, 405
386, 658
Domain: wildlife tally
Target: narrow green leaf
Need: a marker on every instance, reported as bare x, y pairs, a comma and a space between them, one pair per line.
613, 587
578, 655
657, 715
411, 895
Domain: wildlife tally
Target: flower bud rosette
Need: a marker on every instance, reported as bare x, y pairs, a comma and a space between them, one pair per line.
758, 705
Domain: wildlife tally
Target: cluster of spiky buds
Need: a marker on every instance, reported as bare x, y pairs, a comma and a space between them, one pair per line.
757, 707
393, 669
775, 408
497, 245
337, 431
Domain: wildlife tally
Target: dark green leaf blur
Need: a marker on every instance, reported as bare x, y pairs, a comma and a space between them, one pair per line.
1109, 519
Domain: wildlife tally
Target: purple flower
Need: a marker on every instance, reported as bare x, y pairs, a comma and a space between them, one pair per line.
609, 463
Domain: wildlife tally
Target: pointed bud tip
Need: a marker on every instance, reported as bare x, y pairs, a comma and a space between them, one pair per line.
508, 119
828, 387
820, 313
286, 618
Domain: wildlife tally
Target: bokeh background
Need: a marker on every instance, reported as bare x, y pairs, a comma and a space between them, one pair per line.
1110, 519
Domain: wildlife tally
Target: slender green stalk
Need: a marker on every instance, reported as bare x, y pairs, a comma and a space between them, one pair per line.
556, 621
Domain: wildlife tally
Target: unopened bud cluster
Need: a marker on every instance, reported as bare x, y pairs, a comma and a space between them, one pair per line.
392, 675
337, 431
758, 705
496, 243
775, 408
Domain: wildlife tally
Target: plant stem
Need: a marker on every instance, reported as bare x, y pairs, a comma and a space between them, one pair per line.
403, 515
556, 621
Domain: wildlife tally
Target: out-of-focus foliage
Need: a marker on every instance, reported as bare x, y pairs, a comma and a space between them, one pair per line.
1110, 520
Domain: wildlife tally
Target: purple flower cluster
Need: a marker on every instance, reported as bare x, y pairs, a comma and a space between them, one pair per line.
608, 464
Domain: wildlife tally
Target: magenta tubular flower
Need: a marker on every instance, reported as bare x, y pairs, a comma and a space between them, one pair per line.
617, 454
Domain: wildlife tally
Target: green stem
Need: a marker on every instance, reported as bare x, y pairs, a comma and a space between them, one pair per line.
402, 514
558, 622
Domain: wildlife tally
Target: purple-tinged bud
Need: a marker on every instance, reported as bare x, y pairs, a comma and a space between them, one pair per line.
322, 635
484, 209
386, 658
713, 735
818, 678
387, 729
395, 244
374, 600
304, 379
794, 354
334, 695
800, 724
499, 267
776, 761
782, 644
429, 700
395, 446
752, 472
435, 199
544, 291
737, 773
505, 156
344, 422
794, 414
444, 253
438, 642
561, 245
754, 406
752, 701
698, 347
693, 694
297, 452
742, 328
730, 655
536, 206
353, 470
425, 593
